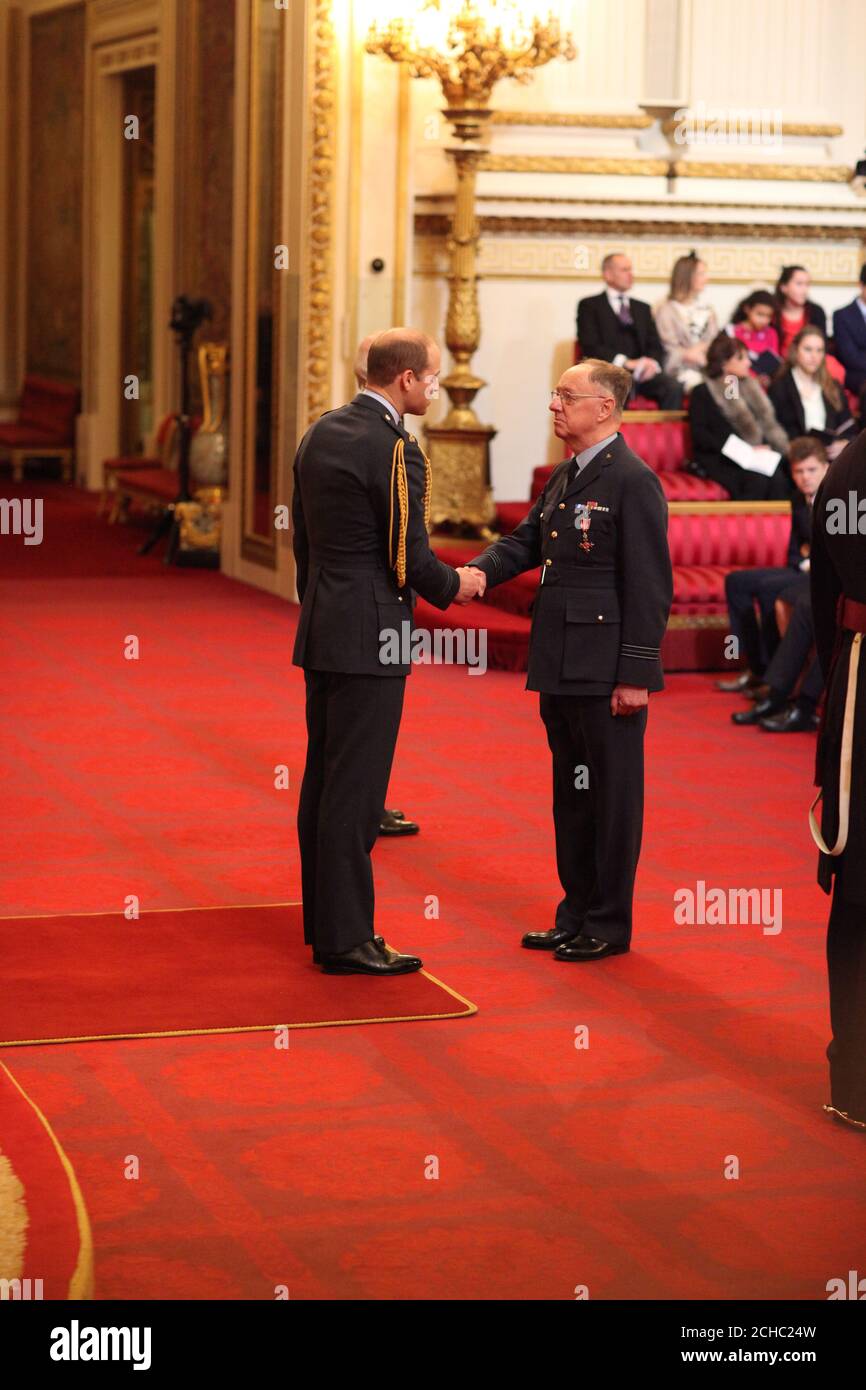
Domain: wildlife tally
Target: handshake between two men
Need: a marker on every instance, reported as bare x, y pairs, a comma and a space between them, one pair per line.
473, 582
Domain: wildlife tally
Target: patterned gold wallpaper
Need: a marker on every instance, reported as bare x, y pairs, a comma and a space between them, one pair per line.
54, 271
214, 140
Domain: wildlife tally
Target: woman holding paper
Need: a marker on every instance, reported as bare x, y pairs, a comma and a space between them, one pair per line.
805, 397
736, 439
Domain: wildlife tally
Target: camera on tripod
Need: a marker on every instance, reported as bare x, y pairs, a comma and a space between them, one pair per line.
187, 315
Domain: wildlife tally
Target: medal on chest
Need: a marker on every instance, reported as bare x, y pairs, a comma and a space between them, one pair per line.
583, 512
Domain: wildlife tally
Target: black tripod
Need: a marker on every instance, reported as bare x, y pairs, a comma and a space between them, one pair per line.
187, 316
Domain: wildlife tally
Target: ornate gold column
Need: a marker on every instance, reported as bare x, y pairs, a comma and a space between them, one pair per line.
460, 445
468, 45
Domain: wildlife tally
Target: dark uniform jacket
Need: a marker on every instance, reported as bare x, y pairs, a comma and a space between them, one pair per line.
341, 514
838, 567
599, 614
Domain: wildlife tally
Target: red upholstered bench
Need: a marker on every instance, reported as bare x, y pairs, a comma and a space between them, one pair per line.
148, 482
664, 443
45, 427
135, 463
707, 544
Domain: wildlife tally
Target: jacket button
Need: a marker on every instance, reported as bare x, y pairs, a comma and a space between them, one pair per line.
548, 562
601, 617
399, 598
541, 516
553, 535
562, 506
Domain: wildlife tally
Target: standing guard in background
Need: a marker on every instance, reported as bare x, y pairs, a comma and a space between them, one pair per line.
838, 576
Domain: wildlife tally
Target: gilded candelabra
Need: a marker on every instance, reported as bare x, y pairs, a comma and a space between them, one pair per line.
468, 45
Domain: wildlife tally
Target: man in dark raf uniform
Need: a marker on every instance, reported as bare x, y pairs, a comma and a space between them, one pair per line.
838, 576
392, 821
360, 505
599, 533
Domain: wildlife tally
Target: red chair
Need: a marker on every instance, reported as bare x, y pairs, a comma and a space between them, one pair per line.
152, 483
45, 428
134, 463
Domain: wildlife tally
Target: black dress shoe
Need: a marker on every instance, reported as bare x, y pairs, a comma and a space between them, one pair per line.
370, 958
395, 823
738, 684
587, 948
378, 942
793, 720
548, 940
760, 710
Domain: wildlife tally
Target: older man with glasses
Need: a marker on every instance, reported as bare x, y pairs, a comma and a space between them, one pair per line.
599, 534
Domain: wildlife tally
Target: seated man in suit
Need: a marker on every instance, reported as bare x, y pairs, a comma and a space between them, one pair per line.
772, 711
849, 333
744, 589
621, 330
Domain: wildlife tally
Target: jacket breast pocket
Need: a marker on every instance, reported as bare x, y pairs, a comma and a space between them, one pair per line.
592, 636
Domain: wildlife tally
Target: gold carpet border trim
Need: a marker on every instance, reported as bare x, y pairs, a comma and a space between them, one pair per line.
81, 1283
469, 1009
115, 912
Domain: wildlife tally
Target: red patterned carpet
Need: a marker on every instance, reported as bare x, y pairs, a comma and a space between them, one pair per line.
557, 1167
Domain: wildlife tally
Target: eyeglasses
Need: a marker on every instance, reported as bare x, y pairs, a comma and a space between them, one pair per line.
567, 397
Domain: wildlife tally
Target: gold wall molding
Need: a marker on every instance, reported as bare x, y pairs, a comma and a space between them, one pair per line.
120, 57
437, 223
814, 129
799, 173
555, 258
588, 120
664, 168
669, 204
571, 164
321, 163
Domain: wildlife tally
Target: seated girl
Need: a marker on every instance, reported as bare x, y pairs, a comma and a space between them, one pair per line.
752, 323
805, 397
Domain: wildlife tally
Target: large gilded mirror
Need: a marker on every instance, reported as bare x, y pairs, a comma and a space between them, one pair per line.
264, 291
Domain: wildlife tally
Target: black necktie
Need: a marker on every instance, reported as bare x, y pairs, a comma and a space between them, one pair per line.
573, 470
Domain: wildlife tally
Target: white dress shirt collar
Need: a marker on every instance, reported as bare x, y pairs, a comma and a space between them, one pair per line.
368, 391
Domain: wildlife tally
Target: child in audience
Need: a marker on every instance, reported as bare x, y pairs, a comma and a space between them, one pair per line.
752, 323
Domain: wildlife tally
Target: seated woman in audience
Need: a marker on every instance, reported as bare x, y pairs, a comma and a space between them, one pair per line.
794, 309
752, 323
686, 323
729, 410
805, 397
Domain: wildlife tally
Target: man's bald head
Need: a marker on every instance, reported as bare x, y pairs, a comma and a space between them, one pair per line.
403, 365
359, 367
396, 351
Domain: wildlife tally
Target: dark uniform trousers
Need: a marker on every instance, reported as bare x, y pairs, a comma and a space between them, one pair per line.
600, 537
598, 817
838, 578
362, 551
846, 968
352, 726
